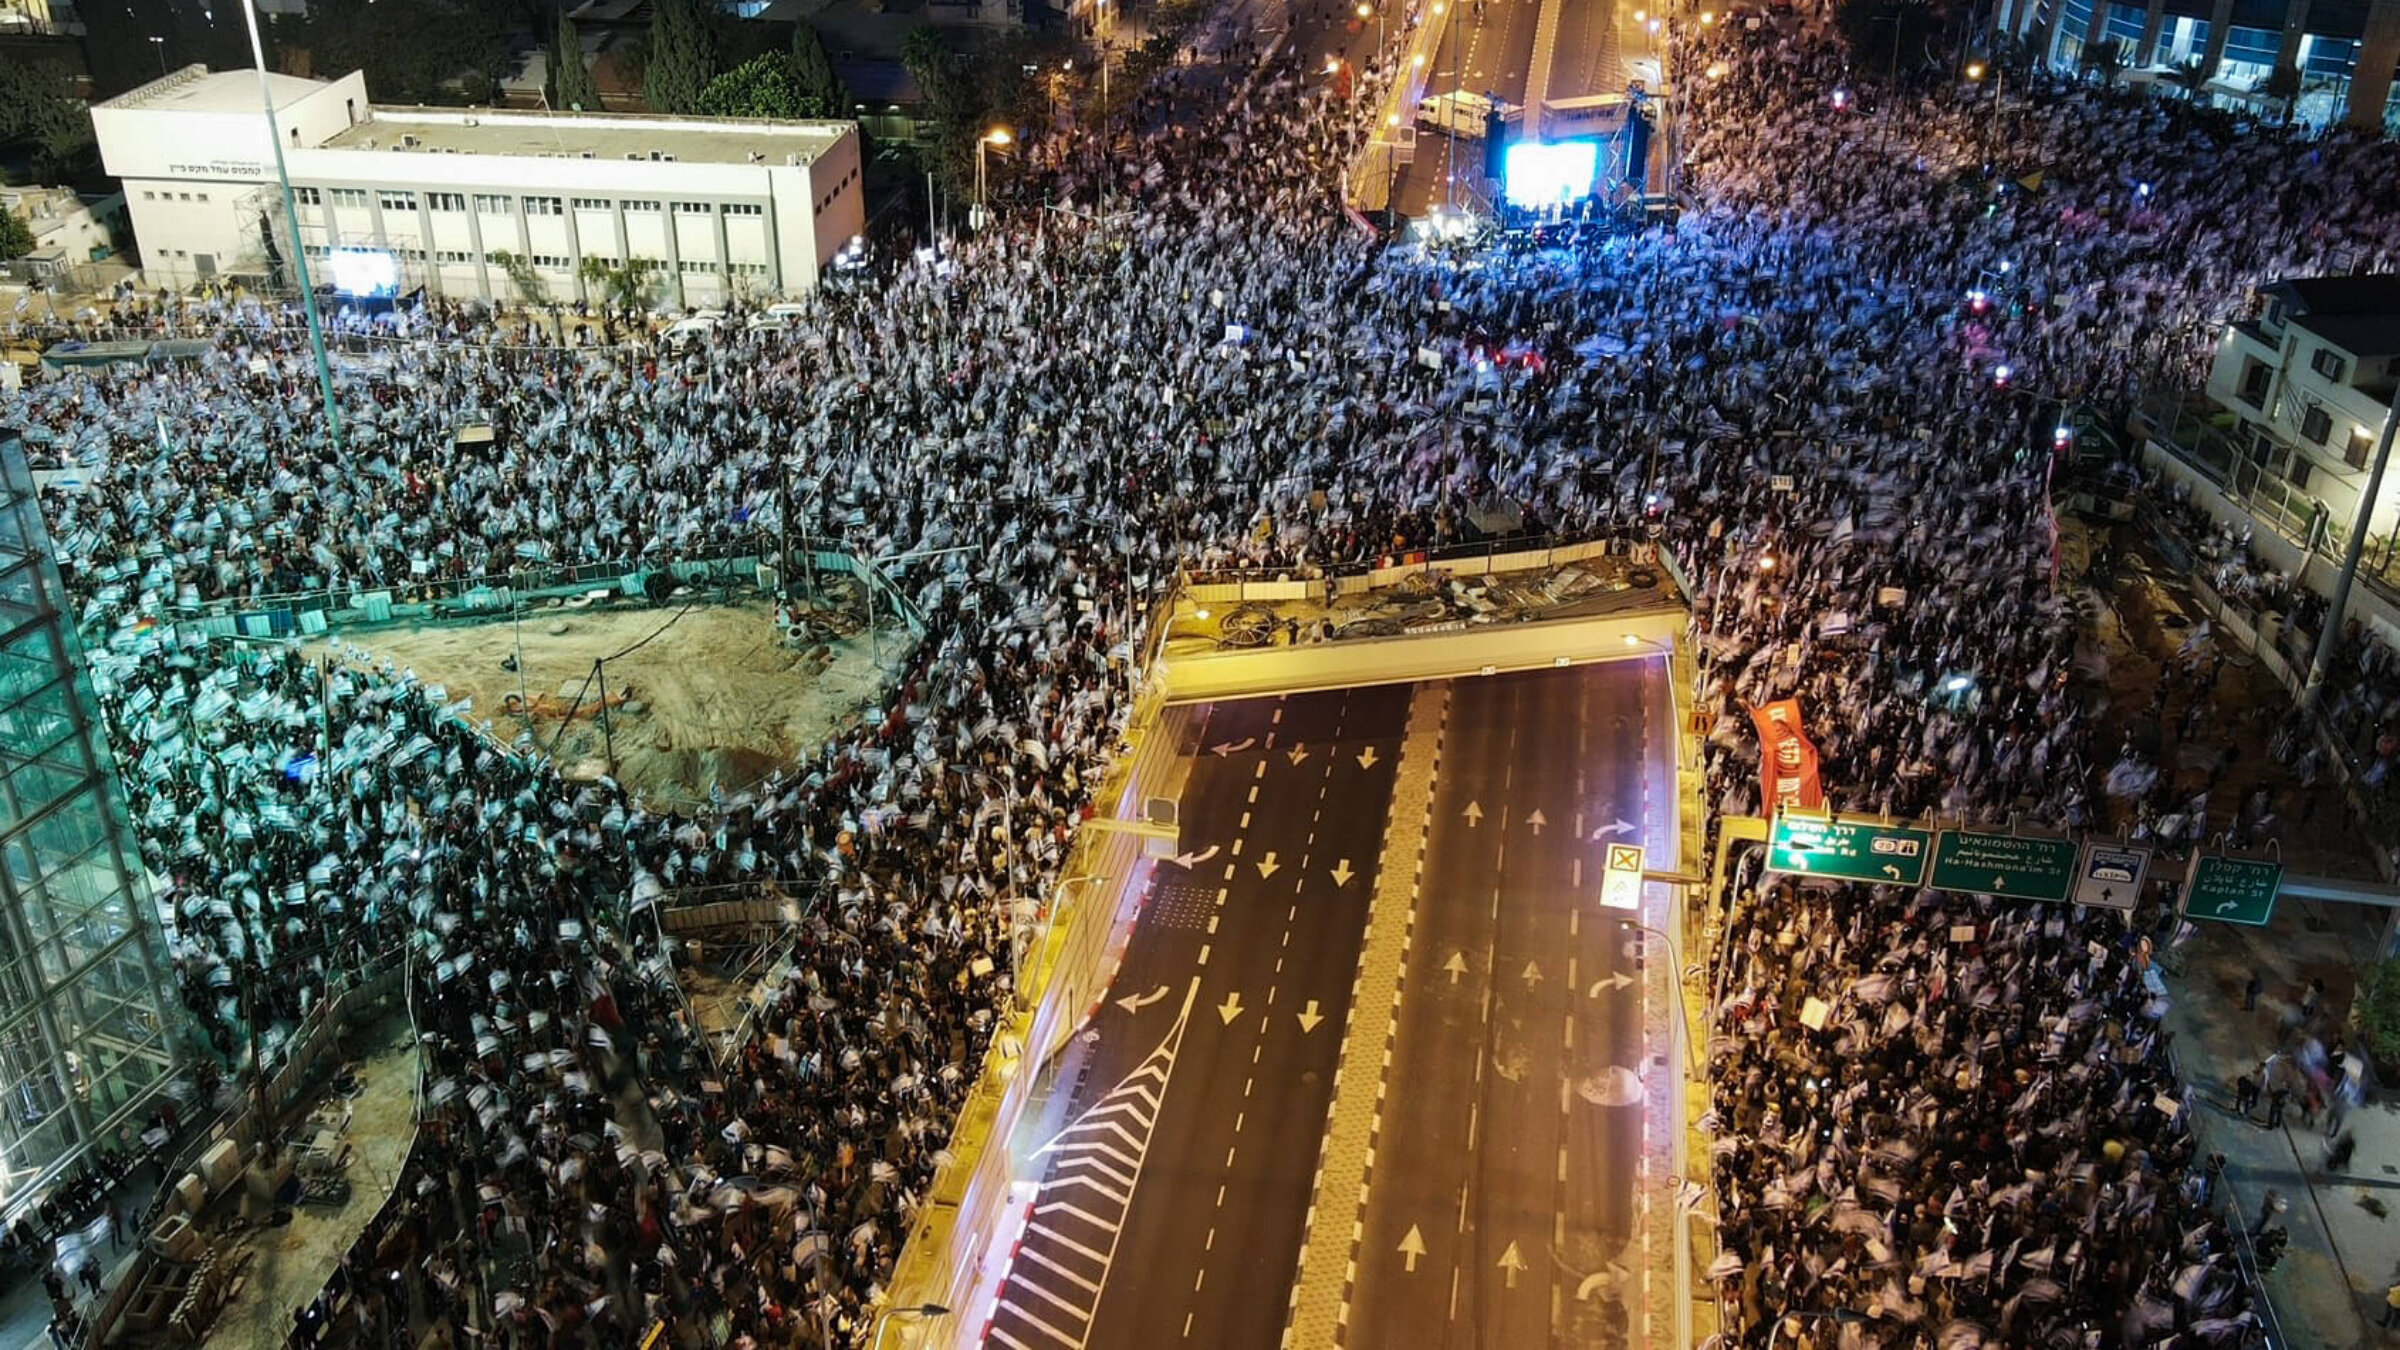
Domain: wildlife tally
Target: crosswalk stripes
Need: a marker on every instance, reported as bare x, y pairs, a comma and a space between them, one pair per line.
1053, 1288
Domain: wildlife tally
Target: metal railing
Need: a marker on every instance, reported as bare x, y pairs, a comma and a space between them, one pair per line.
2225, 1201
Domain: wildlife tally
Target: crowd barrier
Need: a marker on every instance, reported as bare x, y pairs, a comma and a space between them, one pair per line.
1271, 584
319, 612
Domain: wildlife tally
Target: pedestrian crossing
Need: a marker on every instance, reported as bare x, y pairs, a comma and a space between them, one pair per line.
1061, 1265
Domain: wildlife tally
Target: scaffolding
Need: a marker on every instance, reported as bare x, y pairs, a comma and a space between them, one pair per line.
84, 1007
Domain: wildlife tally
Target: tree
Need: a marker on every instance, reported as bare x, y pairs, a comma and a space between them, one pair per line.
410, 50
2191, 76
820, 87
572, 82
38, 109
1881, 33
683, 57
2105, 59
16, 237
625, 287
532, 290
2283, 85
764, 86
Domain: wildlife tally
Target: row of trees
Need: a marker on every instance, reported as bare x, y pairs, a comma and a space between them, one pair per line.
39, 111
698, 61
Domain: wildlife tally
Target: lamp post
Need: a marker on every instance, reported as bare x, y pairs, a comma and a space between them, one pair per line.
996, 136
875, 1330
1991, 112
2313, 691
161, 44
291, 212
1363, 7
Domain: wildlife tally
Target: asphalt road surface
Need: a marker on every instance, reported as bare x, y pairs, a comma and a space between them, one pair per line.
1486, 51
1171, 1209
1503, 1210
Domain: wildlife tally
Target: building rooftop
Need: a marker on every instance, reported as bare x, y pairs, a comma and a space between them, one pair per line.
2368, 293
197, 89
2357, 334
609, 136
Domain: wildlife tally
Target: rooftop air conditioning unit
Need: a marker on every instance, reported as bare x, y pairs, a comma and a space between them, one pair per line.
591, 154
473, 122
791, 160
633, 154
410, 140
757, 156
669, 157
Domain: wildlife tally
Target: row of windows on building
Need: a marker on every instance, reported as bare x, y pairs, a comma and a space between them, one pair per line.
503, 204
556, 262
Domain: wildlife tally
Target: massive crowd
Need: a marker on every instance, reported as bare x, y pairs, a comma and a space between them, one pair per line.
1970, 1149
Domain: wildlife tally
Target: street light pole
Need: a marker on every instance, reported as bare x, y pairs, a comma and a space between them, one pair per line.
291, 212
2314, 691
161, 44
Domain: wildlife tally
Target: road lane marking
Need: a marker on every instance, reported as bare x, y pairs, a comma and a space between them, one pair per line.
1072, 1245
1229, 1159
1198, 1278
1454, 1293
1056, 1300
1577, 879
1063, 1338
1237, 852
1254, 793
1187, 1326
1204, 953
1245, 821
1211, 1244
1220, 1195
1247, 1084
1223, 892
1474, 1117
1262, 770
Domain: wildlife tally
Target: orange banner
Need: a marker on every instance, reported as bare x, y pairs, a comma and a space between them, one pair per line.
1787, 759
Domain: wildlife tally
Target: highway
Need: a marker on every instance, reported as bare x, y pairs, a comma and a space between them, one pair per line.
1503, 1210
1171, 1205
1487, 50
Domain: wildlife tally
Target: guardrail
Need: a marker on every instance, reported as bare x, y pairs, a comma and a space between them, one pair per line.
1241, 585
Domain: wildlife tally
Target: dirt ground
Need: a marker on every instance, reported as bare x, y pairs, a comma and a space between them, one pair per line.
715, 698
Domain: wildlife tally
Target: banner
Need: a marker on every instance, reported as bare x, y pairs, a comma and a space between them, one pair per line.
1787, 759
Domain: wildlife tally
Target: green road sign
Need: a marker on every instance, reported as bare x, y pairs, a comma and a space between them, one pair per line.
2231, 890
1850, 850
2003, 864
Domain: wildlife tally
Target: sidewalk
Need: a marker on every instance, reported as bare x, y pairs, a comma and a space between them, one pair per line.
2327, 1290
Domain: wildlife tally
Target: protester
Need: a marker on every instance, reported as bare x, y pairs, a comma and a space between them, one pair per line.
1828, 394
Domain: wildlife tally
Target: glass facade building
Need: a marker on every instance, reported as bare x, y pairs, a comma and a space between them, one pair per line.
84, 999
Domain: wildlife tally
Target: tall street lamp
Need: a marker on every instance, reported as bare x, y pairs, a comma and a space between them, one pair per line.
875, 1331
161, 44
1363, 7
996, 136
291, 212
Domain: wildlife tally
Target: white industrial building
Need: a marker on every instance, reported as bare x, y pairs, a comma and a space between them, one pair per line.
726, 207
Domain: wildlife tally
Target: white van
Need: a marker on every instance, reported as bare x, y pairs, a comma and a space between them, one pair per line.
1462, 114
